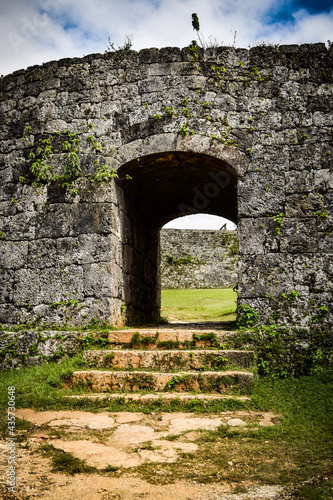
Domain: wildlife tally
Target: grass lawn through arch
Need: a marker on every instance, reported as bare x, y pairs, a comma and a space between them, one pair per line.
199, 304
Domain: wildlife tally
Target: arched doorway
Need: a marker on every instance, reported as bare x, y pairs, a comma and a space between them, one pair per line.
158, 188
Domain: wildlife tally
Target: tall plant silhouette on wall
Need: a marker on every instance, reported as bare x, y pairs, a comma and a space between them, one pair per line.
196, 27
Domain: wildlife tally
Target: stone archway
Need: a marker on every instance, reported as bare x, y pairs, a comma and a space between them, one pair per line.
157, 188
263, 116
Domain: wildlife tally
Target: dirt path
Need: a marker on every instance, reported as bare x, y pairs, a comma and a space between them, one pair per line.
130, 452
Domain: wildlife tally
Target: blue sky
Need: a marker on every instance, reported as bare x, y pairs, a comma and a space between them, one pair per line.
37, 31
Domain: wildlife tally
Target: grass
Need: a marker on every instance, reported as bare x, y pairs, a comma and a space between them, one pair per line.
66, 462
194, 305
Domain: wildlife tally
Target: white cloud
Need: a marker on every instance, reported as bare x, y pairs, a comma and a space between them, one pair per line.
40, 30
307, 28
200, 221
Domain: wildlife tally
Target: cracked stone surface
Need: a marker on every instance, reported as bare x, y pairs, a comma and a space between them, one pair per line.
127, 434
97, 422
179, 425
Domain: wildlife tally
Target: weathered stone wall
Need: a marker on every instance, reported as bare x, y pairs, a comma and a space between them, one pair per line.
244, 134
194, 258
31, 347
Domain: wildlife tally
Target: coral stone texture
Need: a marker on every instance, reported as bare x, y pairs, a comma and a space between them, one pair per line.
194, 258
243, 134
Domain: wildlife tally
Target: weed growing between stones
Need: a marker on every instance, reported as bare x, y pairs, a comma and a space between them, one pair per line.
120, 49
210, 337
247, 316
168, 344
97, 341
140, 342
279, 220
37, 324
187, 259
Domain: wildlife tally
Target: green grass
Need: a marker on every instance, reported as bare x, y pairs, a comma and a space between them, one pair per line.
66, 462
45, 386
199, 304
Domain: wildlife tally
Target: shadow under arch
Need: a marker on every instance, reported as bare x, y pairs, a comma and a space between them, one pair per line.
158, 188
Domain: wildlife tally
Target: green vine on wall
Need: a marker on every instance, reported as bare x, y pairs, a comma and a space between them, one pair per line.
279, 220
68, 145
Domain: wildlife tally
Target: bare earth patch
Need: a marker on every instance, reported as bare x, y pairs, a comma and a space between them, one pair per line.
120, 446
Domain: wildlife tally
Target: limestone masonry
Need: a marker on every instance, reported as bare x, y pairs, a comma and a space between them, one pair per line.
98, 153
193, 258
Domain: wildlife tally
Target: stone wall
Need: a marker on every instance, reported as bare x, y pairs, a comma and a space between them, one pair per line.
243, 134
31, 347
193, 258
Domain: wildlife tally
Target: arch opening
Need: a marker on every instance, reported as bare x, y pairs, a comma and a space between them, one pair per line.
199, 269
157, 189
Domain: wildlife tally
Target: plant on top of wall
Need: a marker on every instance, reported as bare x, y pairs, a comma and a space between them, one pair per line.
120, 49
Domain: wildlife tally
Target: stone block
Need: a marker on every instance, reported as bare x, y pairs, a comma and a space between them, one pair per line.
100, 218
54, 221
6, 286
259, 195
152, 84
13, 254
26, 287
84, 249
97, 279
314, 272
19, 227
258, 236
60, 284
299, 236
265, 274
42, 253
195, 82
303, 205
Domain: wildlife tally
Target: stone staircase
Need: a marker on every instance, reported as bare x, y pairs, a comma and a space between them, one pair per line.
167, 363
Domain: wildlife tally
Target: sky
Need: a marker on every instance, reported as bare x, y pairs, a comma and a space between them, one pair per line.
37, 31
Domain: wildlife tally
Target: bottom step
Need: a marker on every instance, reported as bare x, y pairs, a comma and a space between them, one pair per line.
164, 396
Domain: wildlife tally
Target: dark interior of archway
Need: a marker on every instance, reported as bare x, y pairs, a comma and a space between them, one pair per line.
162, 187
167, 185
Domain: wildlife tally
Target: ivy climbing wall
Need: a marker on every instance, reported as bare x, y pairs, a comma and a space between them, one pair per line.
98, 153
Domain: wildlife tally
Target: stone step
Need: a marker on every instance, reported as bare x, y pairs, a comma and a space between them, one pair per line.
135, 381
162, 396
168, 338
169, 360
